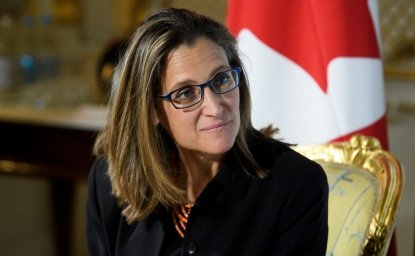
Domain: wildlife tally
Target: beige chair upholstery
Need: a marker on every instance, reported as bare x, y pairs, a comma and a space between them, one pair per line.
365, 188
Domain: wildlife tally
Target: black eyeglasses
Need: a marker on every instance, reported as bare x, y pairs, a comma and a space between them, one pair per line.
190, 95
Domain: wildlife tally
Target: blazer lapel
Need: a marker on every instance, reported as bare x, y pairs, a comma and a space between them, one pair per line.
140, 238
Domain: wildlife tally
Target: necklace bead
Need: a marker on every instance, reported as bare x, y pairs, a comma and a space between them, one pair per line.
180, 215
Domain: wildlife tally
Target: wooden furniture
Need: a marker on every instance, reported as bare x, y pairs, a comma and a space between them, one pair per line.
54, 145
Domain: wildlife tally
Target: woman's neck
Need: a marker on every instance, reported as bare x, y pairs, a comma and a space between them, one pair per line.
196, 172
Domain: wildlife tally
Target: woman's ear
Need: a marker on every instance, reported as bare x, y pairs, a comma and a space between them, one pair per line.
160, 118
156, 119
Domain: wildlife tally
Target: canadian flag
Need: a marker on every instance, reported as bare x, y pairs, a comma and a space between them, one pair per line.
314, 67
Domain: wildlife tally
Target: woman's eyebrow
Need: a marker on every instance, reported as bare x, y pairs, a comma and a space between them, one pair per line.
219, 69
189, 82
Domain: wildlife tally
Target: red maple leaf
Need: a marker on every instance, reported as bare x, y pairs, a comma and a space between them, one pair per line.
309, 32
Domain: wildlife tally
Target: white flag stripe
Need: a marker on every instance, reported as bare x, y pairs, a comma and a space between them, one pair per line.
286, 95
356, 92
374, 14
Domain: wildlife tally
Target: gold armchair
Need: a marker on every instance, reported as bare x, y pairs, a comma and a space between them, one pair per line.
365, 189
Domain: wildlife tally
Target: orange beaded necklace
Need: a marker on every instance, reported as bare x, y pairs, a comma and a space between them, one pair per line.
180, 215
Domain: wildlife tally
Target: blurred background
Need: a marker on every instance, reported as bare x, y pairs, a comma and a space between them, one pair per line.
56, 59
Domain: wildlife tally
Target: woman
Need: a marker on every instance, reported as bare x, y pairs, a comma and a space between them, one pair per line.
181, 170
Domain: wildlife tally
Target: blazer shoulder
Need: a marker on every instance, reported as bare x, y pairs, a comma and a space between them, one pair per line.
284, 162
99, 188
103, 213
274, 154
98, 176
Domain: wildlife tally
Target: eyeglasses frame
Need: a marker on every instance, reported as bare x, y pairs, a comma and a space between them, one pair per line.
167, 97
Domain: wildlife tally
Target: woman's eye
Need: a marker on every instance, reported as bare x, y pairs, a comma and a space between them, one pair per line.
185, 93
222, 81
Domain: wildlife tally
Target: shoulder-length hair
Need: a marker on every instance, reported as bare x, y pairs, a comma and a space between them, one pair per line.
139, 153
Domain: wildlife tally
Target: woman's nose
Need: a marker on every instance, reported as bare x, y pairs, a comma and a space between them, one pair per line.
212, 102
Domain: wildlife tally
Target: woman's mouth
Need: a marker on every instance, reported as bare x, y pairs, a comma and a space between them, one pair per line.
215, 127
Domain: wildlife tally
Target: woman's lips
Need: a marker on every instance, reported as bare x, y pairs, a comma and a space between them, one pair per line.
215, 127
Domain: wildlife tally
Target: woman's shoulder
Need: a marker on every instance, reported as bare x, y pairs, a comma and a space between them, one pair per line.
99, 188
103, 213
282, 161
98, 175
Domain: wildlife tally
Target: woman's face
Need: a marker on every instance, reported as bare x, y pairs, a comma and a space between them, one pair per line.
211, 126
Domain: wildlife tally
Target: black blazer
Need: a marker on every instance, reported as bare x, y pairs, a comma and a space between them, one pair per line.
236, 214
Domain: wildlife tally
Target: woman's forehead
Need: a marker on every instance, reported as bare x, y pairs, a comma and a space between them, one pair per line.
194, 64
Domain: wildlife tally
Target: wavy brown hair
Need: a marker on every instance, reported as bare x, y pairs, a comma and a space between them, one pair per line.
140, 155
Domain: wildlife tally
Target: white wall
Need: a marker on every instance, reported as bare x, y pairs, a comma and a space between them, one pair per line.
401, 124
